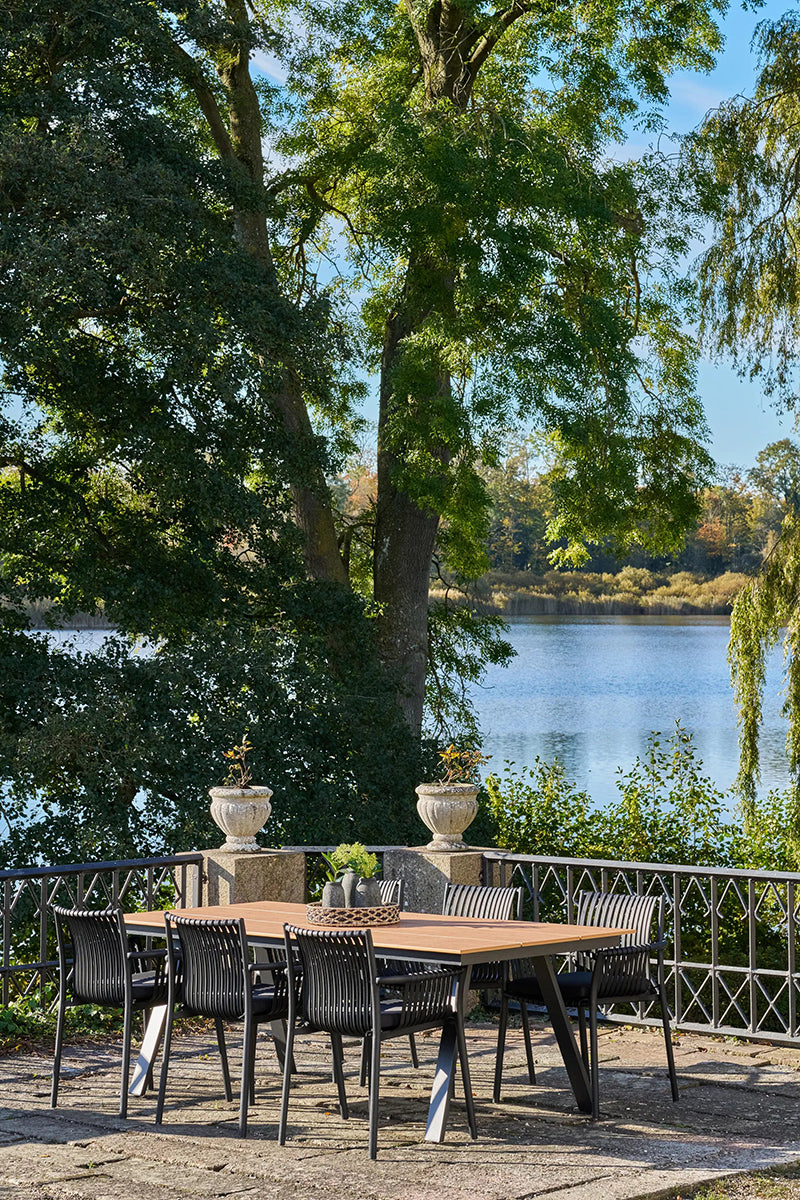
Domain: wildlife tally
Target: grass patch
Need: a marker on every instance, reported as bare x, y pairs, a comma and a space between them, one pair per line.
781, 1183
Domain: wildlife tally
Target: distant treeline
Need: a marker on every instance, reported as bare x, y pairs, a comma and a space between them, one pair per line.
740, 517
631, 590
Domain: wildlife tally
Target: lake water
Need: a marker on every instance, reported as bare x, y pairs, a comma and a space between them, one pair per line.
589, 690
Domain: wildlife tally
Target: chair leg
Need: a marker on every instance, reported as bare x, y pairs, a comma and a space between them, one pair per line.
338, 1073
526, 1030
248, 1055
127, 1032
582, 1032
288, 1062
363, 1073
374, 1089
595, 1062
466, 1077
223, 1056
57, 1054
501, 1047
253, 1042
412, 1045
673, 1078
162, 1082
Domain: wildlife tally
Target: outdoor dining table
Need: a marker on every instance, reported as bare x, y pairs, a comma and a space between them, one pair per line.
451, 941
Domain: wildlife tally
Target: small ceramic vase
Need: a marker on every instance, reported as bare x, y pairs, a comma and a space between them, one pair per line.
333, 895
367, 894
349, 881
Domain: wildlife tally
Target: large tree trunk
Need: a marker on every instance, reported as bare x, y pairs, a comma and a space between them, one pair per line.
452, 50
405, 533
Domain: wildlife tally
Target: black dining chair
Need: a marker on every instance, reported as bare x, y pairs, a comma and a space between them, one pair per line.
490, 904
342, 995
97, 965
483, 903
392, 891
618, 974
211, 975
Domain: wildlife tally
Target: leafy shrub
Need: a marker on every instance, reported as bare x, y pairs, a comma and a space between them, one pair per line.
668, 811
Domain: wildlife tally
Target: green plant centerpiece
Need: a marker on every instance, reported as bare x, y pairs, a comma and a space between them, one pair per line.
352, 882
240, 808
449, 805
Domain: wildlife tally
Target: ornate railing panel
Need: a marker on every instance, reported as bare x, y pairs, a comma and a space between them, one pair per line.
732, 957
29, 962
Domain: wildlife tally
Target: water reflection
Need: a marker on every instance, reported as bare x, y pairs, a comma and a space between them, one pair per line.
591, 689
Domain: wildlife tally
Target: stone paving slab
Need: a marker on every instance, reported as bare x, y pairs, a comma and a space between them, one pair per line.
739, 1111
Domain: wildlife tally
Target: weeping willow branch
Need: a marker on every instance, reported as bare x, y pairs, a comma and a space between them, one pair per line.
766, 609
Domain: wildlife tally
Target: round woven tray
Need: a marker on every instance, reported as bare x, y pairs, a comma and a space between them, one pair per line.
352, 918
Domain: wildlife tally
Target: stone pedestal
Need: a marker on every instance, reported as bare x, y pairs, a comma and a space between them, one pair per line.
230, 878
427, 871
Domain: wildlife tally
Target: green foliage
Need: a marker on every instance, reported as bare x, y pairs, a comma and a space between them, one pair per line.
146, 470
739, 517
352, 856
112, 754
26, 1020
765, 611
743, 166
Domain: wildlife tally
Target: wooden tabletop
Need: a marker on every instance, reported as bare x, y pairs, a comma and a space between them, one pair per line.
458, 940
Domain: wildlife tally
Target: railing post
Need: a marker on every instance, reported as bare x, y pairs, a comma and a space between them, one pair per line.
752, 952
715, 950
791, 964
43, 890
676, 945
7, 940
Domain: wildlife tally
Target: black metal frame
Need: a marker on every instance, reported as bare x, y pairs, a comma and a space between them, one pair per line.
102, 971
210, 975
339, 992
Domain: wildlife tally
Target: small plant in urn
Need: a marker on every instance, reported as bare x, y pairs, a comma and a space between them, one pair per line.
240, 808
449, 805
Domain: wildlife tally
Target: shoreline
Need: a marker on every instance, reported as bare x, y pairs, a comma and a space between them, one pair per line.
632, 591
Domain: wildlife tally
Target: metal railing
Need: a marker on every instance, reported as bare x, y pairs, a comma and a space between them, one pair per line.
732, 953
28, 961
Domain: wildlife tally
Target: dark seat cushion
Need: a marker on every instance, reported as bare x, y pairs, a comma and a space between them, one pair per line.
391, 1010
576, 986
265, 1002
145, 990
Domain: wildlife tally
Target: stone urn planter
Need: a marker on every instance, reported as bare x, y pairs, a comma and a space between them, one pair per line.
240, 814
447, 809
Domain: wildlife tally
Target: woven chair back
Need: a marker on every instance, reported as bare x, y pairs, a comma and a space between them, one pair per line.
213, 965
623, 911
338, 972
487, 903
98, 954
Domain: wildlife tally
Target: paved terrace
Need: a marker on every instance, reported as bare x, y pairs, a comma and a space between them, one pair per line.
740, 1110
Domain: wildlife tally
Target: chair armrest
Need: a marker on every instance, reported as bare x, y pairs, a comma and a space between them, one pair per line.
621, 952
280, 965
146, 954
400, 981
